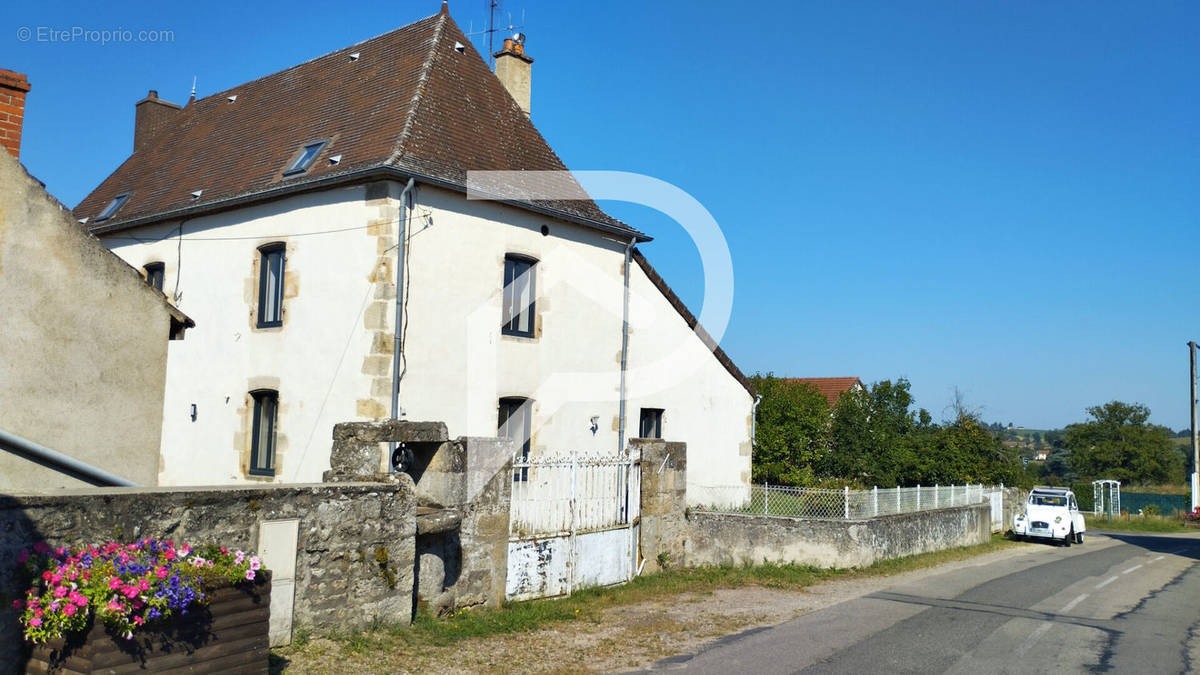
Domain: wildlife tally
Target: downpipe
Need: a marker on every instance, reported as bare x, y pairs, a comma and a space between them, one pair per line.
624, 347
397, 344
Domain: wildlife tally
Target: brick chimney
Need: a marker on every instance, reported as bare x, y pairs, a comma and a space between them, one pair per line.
513, 69
13, 87
153, 115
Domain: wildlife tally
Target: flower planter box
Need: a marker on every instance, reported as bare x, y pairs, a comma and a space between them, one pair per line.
229, 635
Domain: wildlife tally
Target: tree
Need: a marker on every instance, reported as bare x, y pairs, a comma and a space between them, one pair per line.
791, 432
875, 436
1118, 442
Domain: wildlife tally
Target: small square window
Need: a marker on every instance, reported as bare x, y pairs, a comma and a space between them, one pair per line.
518, 309
154, 274
262, 441
650, 425
113, 207
270, 285
304, 158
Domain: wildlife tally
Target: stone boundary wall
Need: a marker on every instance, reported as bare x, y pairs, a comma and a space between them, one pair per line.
355, 552
729, 539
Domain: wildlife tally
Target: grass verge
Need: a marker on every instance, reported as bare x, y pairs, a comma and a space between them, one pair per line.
587, 604
1130, 523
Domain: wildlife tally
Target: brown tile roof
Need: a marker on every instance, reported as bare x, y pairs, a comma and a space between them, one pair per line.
829, 387
410, 104
692, 322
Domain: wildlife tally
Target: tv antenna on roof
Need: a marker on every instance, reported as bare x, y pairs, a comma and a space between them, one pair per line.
493, 7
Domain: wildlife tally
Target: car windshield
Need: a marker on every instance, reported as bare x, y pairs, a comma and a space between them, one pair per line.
1047, 500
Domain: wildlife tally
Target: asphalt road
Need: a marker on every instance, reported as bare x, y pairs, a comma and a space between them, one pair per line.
1121, 602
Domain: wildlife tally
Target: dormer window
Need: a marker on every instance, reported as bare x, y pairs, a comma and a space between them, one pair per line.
304, 158
112, 207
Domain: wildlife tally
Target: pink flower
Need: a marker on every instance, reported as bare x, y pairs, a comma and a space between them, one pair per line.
46, 575
18, 604
161, 572
54, 606
60, 591
79, 599
138, 620
41, 547
129, 591
255, 563
143, 584
69, 609
250, 575
35, 622
239, 557
224, 551
114, 583
38, 611
114, 606
56, 578
184, 550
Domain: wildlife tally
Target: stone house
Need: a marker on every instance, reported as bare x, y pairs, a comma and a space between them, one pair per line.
83, 342
284, 213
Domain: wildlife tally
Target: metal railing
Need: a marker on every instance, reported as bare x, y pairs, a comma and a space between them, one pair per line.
791, 502
564, 494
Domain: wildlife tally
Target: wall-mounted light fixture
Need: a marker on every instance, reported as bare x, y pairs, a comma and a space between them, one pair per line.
193, 412
595, 424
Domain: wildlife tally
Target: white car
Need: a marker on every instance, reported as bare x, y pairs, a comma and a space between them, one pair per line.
1051, 513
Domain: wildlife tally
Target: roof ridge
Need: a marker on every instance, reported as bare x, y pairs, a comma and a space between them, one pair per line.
315, 58
415, 102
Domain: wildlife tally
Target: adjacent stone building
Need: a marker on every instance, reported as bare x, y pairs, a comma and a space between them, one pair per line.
83, 342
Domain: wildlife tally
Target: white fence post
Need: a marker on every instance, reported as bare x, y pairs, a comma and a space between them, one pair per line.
936, 490
918, 496
897, 499
846, 501
952, 494
766, 496
875, 498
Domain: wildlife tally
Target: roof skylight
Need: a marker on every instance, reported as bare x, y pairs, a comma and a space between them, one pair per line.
112, 207
304, 158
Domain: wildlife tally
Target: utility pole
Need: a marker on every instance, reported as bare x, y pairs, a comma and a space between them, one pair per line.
1195, 437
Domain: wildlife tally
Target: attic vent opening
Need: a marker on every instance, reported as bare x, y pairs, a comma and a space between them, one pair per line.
197, 193
232, 98
113, 207
354, 56
460, 48
304, 157
335, 159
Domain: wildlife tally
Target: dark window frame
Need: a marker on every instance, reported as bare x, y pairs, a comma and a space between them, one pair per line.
507, 407
656, 417
265, 253
155, 274
262, 399
113, 206
512, 263
298, 164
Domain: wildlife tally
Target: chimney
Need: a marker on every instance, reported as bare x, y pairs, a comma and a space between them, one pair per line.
13, 87
153, 115
513, 70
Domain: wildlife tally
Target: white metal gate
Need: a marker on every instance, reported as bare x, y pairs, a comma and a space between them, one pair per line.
573, 523
996, 497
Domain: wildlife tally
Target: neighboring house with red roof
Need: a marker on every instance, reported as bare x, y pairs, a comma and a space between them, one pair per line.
286, 212
831, 388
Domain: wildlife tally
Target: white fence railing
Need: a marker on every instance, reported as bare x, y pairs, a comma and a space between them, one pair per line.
563, 494
791, 502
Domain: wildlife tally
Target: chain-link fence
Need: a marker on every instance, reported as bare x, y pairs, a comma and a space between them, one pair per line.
791, 502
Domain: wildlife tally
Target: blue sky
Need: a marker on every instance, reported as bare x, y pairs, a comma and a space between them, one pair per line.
1000, 197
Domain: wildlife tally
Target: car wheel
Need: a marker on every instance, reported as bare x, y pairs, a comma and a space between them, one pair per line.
1070, 536
1079, 538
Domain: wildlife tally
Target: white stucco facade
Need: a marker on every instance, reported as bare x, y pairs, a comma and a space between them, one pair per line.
331, 359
